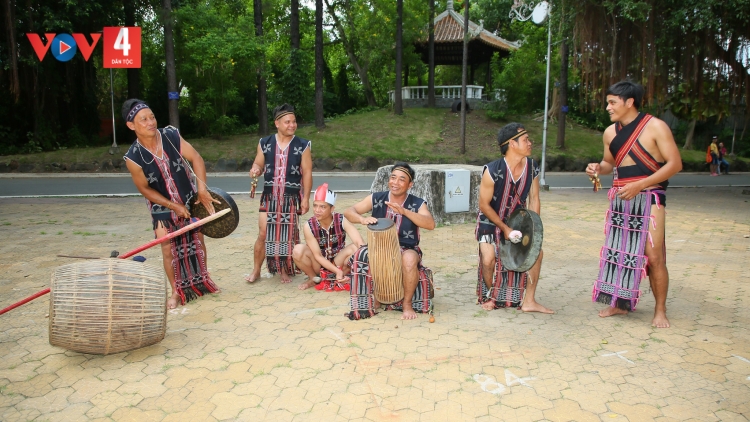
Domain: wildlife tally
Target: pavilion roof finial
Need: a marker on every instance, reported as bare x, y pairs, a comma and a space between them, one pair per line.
450, 5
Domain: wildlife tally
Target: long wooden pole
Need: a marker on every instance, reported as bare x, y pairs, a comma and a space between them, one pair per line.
133, 252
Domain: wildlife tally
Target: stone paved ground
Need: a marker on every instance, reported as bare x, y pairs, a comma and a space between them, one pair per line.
271, 352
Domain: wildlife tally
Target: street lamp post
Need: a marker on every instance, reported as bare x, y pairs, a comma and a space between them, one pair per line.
538, 13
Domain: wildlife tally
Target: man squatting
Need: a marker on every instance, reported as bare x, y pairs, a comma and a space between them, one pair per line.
325, 251
509, 183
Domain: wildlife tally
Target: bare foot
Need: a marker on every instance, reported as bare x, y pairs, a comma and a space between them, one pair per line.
609, 311
409, 313
252, 278
536, 307
285, 277
660, 320
489, 305
173, 301
306, 285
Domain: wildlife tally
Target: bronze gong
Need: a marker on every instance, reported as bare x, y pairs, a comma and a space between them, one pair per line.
223, 226
521, 256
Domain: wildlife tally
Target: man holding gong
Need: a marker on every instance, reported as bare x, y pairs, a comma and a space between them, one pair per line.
159, 162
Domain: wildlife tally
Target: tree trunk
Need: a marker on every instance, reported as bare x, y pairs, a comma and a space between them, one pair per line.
10, 25
294, 24
431, 54
319, 64
134, 75
349, 48
464, 76
398, 104
563, 94
262, 91
174, 115
690, 135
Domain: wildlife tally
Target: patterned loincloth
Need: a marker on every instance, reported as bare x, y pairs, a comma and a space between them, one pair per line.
508, 286
282, 233
189, 264
362, 289
622, 260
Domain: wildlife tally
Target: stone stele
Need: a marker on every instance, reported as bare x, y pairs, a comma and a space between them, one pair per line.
429, 184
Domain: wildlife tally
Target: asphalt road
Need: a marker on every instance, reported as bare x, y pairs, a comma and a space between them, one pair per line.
120, 185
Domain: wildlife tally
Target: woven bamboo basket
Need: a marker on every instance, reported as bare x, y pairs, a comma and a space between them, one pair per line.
107, 306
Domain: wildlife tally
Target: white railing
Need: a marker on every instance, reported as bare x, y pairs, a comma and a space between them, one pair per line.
441, 91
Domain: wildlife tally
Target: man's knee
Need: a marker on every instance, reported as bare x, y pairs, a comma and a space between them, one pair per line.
656, 259
299, 251
409, 260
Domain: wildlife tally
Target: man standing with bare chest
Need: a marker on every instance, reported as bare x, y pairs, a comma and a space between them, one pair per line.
640, 150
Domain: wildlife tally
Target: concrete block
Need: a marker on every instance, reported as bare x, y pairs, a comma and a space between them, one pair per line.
429, 184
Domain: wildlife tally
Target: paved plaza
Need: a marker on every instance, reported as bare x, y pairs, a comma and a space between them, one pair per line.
271, 352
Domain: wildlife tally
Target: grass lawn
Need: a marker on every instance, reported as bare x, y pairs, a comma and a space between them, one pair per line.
420, 135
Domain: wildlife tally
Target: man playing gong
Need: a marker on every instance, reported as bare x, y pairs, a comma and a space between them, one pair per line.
509, 183
641, 152
409, 213
325, 251
159, 161
285, 161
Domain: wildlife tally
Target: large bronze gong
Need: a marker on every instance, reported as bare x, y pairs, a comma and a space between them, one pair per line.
223, 226
521, 256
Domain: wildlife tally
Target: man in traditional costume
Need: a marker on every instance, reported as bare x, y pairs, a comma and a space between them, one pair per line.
641, 152
409, 213
324, 258
162, 165
507, 184
285, 161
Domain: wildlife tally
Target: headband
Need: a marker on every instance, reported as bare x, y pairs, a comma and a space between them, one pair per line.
323, 194
138, 106
282, 114
516, 136
404, 169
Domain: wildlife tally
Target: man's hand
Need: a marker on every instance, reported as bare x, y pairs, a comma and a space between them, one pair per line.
593, 169
255, 171
305, 206
180, 210
630, 190
506, 232
368, 220
207, 200
396, 207
340, 275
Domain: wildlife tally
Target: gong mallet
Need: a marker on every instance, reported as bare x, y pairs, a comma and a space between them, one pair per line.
133, 252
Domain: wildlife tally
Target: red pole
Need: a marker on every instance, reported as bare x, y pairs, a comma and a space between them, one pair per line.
131, 253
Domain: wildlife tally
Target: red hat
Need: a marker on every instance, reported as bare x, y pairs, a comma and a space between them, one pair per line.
323, 194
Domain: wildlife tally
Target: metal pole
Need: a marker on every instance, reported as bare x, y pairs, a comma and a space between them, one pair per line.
112, 99
546, 102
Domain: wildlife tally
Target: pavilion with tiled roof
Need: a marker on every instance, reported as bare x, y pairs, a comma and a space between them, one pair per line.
449, 41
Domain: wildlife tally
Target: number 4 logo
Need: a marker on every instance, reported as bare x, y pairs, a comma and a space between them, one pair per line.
122, 47
121, 43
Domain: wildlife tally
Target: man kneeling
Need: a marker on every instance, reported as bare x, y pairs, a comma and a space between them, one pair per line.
509, 183
325, 252
410, 213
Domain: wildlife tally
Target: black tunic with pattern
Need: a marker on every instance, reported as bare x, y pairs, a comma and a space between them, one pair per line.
168, 175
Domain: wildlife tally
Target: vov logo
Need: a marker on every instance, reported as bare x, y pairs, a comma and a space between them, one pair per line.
122, 46
63, 46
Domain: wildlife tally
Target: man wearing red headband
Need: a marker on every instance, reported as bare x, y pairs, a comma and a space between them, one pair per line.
285, 161
326, 252
410, 213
